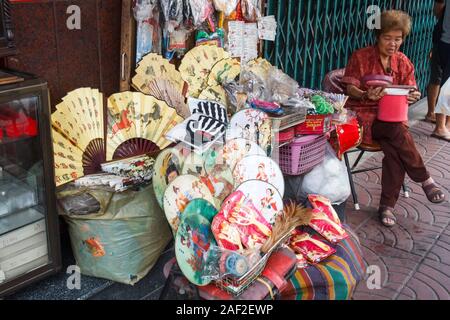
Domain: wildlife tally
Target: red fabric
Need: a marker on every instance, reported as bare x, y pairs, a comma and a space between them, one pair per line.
365, 62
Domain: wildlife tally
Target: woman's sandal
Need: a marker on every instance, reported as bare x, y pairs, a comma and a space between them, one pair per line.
386, 213
432, 191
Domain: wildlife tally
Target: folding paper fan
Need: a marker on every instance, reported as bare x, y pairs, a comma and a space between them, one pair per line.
165, 90
152, 67
215, 93
78, 137
137, 124
259, 66
197, 65
224, 70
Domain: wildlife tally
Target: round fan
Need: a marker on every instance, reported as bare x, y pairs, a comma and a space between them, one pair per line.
197, 64
139, 120
153, 67
78, 135
165, 90
224, 70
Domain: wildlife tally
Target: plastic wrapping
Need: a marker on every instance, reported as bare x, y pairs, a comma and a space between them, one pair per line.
280, 87
221, 263
253, 85
239, 225
124, 240
250, 10
329, 179
323, 204
172, 11
312, 249
326, 227
236, 96
201, 11
148, 36
226, 6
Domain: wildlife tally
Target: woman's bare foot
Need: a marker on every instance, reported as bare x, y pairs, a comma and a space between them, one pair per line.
442, 134
430, 118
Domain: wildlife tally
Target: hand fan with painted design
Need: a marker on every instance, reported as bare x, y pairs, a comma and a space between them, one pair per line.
197, 64
223, 71
165, 90
78, 127
137, 124
155, 67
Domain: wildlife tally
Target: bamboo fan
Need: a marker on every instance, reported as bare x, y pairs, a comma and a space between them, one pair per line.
197, 65
165, 90
153, 67
137, 124
78, 135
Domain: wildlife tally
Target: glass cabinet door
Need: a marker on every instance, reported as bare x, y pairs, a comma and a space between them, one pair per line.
23, 236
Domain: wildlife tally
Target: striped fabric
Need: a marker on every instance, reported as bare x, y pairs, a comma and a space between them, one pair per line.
334, 279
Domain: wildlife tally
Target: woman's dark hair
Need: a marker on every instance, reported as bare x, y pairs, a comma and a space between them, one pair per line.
171, 168
393, 20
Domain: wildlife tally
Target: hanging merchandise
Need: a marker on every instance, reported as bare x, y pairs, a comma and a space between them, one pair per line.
203, 37
250, 10
172, 11
148, 31
227, 7
202, 10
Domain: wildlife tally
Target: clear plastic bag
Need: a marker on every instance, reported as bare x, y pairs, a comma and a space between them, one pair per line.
253, 85
226, 6
172, 13
250, 10
329, 179
280, 87
201, 11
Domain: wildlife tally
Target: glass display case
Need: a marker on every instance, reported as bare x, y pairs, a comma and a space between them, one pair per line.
29, 234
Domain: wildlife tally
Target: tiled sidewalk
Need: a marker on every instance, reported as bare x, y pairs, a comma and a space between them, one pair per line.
414, 256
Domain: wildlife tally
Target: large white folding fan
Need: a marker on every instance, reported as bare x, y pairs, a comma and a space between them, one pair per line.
78, 135
137, 124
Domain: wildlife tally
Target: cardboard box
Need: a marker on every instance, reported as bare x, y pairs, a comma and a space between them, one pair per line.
315, 124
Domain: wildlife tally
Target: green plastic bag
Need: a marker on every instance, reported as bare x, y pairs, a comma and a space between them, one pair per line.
123, 241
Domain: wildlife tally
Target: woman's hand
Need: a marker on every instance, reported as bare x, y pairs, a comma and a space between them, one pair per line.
375, 94
414, 96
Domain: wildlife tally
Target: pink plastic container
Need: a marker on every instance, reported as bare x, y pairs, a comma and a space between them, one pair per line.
302, 154
393, 107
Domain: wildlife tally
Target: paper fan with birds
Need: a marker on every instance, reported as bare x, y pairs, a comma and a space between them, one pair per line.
152, 67
78, 135
259, 66
197, 65
223, 71
137, 124
165, 90
216, 93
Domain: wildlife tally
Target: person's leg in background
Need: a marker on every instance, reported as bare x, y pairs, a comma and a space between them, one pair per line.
435, 83
442, 121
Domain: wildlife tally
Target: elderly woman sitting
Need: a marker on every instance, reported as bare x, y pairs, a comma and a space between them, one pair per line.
400, 153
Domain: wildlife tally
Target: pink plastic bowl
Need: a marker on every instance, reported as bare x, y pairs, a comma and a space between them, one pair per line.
393, 107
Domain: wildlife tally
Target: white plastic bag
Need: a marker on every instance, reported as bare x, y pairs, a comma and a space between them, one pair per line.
329, 179
443, 104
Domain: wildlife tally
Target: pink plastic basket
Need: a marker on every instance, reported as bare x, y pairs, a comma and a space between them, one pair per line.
302, 154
